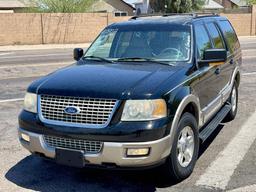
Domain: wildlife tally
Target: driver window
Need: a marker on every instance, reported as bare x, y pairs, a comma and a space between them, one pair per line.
123, 43
202, 40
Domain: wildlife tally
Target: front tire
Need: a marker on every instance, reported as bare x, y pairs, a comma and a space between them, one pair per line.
182, 159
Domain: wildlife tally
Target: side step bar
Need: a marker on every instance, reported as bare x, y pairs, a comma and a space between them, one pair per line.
213, 124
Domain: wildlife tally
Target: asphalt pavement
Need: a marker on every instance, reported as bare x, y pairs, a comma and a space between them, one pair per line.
227, 160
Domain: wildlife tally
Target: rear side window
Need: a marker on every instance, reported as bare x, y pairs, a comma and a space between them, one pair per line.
230, 36
202, 40
215, 35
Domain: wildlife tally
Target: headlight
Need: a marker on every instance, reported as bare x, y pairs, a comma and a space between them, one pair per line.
30, 102
144, 110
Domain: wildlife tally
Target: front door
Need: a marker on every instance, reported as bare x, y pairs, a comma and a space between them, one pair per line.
208, 87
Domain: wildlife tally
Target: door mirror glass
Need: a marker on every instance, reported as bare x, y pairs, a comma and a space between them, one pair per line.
78, 53
213, 56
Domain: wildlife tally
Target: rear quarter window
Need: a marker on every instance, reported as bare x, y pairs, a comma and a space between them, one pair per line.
229, 35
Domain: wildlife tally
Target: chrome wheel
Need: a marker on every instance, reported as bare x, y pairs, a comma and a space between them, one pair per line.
185, 146
234, 99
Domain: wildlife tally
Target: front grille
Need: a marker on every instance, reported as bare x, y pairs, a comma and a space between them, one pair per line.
92, 111
75, 144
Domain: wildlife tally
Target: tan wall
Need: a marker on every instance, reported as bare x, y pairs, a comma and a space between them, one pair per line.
112, 19
72, 28
22, 28
253, 27
241, 23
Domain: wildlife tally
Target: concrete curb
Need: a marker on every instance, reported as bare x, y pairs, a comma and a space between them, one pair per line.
246, 37
42, 47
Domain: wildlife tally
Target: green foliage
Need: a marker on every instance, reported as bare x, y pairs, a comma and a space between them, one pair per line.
60, 6
251, 2
176, 6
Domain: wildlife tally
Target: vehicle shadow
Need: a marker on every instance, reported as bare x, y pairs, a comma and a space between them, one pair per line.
40, 175
204, 146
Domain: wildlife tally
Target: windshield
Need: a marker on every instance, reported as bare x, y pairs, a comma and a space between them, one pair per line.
171, 43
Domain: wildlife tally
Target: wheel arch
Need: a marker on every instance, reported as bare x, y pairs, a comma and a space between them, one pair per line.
188, 103
238, 78
192, 109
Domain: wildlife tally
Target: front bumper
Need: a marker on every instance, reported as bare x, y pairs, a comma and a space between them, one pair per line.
113, 153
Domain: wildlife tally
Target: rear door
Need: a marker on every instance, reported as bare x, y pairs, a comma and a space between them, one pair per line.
233, 48
223, 68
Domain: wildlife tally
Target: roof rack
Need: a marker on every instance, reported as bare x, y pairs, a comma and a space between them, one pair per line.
203, 14
194, 15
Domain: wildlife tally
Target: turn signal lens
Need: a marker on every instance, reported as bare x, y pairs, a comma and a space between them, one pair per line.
160, 109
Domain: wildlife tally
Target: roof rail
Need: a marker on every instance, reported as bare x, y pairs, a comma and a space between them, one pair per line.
204, 14
177, 14
194, 15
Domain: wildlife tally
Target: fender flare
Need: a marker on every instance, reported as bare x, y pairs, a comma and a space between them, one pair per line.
235, 73
182, 105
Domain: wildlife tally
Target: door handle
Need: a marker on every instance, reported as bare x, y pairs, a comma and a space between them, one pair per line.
217, 71
231, 61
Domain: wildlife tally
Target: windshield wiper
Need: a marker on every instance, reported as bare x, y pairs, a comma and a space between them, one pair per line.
140, 59
97, 58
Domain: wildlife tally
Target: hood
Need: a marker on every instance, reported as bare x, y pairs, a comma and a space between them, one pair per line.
116, 81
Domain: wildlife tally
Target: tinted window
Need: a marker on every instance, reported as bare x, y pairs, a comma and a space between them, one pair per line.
121, 14
202, 40
215, 35
229, 35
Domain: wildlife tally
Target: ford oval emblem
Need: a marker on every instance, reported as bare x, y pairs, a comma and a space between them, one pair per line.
71, 110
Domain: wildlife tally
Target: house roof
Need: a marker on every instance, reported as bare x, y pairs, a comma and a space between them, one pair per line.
138, 2
12, 4
211, 4
240, 3
128, 4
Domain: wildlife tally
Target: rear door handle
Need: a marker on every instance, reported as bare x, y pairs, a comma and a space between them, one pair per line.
217, 71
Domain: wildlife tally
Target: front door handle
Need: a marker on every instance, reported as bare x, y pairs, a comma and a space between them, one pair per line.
217, 71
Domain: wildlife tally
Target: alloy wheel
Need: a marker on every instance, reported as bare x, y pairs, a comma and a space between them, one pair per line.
185, 146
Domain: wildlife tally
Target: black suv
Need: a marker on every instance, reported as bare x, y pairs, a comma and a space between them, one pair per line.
147, 92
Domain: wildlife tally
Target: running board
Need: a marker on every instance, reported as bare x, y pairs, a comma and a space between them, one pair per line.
213, 124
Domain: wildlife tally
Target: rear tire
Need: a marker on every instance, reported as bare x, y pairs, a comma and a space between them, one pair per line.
182, 159
233, 100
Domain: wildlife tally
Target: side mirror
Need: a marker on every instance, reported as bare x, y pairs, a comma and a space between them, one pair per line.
213, 56
78, 53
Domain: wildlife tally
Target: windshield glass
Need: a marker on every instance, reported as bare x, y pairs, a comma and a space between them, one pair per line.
171, 43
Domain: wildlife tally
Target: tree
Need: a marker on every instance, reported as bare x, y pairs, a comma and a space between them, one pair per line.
251, 2
158, 5
176, 6
60, 6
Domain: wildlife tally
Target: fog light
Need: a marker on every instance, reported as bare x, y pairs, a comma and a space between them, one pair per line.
137, 152
25, 137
